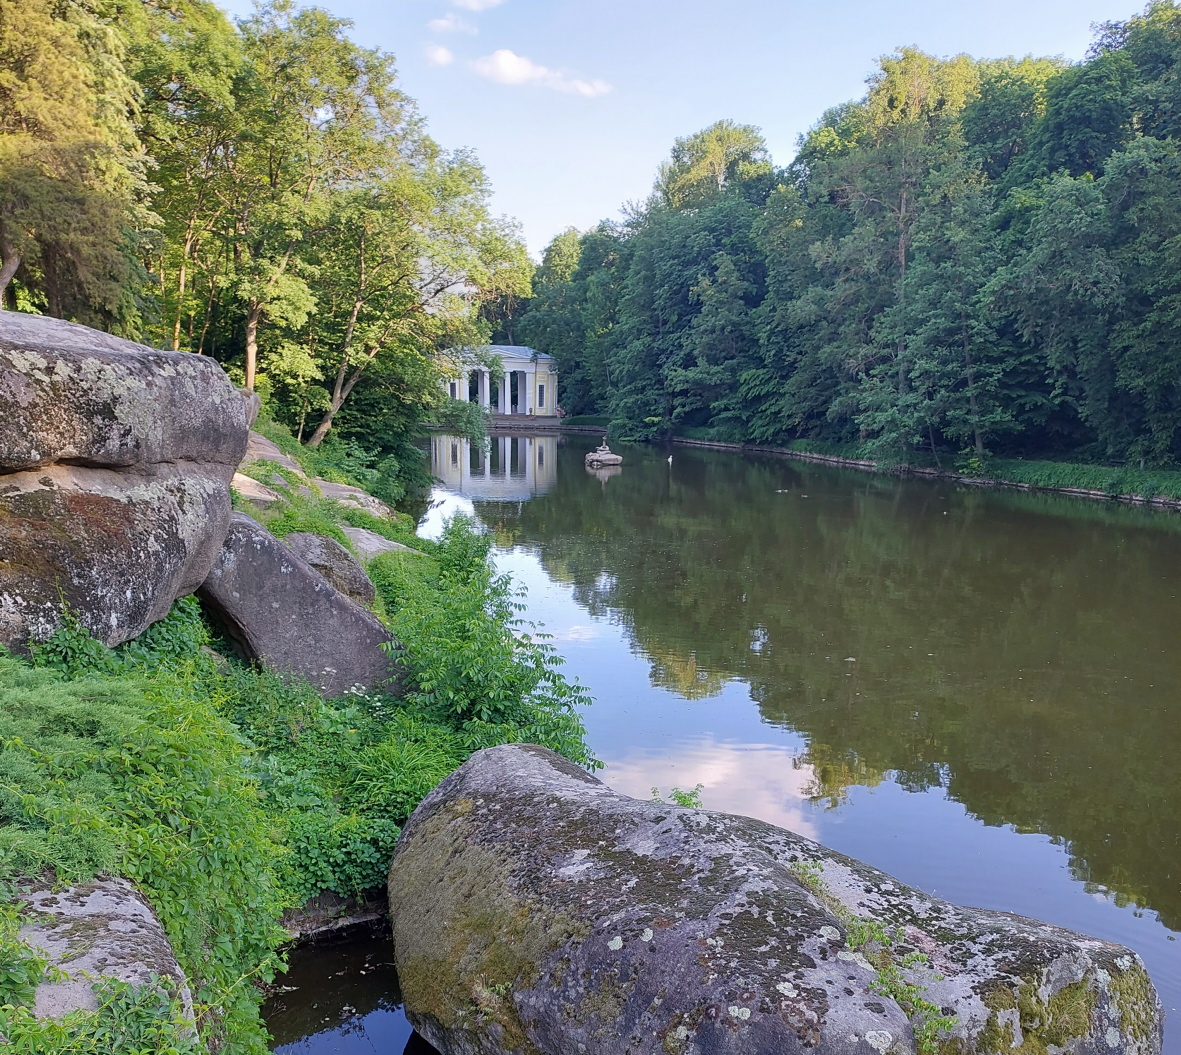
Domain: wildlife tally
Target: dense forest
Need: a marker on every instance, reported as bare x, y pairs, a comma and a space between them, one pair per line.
975, 259
262, 192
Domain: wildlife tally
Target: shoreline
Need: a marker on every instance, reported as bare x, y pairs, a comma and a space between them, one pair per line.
865, 465
534, 425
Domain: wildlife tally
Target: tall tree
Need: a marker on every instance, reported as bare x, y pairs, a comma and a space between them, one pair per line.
71, 168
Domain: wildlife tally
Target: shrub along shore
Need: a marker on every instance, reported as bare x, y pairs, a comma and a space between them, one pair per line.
230, 796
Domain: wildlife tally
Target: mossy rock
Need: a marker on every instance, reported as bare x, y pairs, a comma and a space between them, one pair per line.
535, 911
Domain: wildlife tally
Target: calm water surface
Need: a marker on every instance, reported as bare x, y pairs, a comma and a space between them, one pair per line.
978, 692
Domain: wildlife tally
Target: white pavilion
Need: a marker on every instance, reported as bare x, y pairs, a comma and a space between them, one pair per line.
526, 383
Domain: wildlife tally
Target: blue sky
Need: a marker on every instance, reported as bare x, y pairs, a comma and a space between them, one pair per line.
571, 104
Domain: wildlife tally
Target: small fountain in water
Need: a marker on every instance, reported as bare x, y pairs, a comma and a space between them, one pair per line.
602, 457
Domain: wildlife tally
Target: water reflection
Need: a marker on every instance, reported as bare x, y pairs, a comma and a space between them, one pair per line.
340, 997
506, 468
975, 690
1028, 663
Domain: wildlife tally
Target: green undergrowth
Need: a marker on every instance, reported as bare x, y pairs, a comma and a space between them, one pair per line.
302, 507
228, 795
128, 1020
343, 461
1118, 480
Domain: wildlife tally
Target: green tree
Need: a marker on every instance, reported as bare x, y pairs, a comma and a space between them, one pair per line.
71, 169
704, 164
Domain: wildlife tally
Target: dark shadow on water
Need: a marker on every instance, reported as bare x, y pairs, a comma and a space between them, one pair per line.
340, 997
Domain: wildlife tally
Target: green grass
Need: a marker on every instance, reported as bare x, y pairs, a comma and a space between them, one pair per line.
1117, 480
1047, 475
597, 420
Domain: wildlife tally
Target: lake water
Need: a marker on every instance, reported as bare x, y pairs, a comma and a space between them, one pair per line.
977, 691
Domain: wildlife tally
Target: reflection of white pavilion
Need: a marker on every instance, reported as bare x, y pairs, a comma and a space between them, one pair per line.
512, 469
526, 383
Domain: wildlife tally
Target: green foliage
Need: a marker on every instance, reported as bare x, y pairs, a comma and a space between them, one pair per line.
470, 657
128, 1021
21, 969
689, 799
140, 776
975, 254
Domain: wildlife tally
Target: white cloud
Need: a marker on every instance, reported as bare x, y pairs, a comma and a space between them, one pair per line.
450, 23
506, 67
437, 55
476, 5
755, 780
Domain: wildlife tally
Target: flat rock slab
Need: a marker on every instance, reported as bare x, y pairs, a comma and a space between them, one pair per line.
369, 544
260, 449
538, 912
347, 495
253, 491
97, 930
334, 562
115, 465
287, 616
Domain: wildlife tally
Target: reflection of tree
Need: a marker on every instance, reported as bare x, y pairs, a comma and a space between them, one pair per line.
681, 672
834, 771
1020, 655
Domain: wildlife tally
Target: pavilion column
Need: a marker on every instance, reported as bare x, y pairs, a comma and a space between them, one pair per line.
530, 380
485, 388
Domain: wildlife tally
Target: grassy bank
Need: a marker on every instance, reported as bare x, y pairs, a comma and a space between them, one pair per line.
229, 795
1096, 480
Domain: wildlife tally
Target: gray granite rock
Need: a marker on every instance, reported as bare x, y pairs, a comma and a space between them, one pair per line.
287, 616
354, 497
115, 465
260, 449
369, 544
334, 562
536, 911
97, 930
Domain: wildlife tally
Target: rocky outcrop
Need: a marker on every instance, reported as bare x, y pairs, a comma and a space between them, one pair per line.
97, 930
369, 544
250, 489
334, 562
260, 449
287, 616
536, 911
115, 464
353, 497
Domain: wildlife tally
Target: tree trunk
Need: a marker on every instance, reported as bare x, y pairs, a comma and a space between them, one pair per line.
253, 314
338, 398
10, 261
180, 289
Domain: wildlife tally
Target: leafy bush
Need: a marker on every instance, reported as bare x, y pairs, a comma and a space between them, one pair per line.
470, 656
142, 777
129, 1020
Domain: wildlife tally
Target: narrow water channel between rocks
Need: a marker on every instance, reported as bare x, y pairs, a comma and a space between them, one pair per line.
978, 691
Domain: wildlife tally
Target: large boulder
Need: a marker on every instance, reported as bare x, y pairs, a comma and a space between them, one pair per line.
115, 465
91, 931
534, 911
334, 562
285, 615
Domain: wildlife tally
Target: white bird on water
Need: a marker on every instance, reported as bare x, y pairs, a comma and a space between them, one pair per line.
670, 459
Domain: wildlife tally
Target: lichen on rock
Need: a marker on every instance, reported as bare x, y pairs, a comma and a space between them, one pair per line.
115, 465
536, 911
